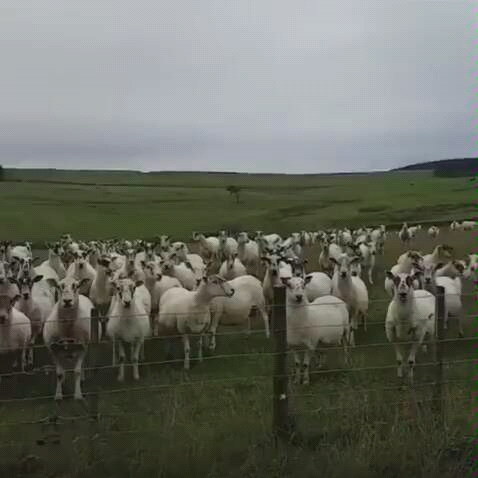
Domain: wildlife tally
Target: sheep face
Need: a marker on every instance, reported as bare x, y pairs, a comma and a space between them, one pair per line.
295, 289
6, 304
356, 269
105, 263
130, 257
343, 264
402, 284
25, 285
125, 291
152, 270
217, 286
79, 259
242, 238
69, 292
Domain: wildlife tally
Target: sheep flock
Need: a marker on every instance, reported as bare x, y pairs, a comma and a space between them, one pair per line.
186, 290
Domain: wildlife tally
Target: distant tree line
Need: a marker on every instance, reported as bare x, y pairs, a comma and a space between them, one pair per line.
457, 169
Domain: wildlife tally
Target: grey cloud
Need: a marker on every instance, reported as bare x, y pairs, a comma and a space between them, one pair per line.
259, 86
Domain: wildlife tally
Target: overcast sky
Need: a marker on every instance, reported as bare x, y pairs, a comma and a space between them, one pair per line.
235, 85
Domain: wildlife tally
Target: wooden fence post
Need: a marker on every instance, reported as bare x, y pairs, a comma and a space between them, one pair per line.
439, 395
281, 421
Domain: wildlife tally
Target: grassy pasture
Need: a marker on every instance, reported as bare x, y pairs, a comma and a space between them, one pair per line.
100, 205
217, 423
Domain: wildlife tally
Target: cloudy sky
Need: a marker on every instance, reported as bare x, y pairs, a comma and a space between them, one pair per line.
250, 85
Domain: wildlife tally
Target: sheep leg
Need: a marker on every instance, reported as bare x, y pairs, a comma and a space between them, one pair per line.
122, 359
200, 347
265, 318
78, 373
297, 367
461, 319
60, 378
187, 351
136, 347
370, 278
212, 332
399, 358
413, 353
306, 366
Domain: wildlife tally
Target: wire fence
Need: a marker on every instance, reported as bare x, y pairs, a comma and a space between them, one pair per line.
368, 381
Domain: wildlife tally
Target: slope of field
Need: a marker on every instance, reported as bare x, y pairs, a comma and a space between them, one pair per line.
105, 204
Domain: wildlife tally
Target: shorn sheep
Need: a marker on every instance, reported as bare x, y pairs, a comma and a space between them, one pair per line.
188, 312
236, 310
323, 322
128, 323
67, 332
15, 330
410, 319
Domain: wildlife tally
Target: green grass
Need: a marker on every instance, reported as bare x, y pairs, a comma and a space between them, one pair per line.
218, 423
93, 205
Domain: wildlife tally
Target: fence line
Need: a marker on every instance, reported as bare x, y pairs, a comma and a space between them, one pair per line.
283, 424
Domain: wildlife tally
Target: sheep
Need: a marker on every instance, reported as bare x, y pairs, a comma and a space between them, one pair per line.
191, 261
227, 245
236, 310
101, 290
453, 303
317, 284
232, 267
433, 231
468, 225
188, 312
323, 321
67, 333
208, 246
325, 264
343, 287
409, 312
455, 226
405, 264
268, 242
15, 330
28, 306
276, 267
128, 322
368, 252
181, 271
157, 284
378, 237
405, 235
248, 252
81, 269
413, 230
441, 252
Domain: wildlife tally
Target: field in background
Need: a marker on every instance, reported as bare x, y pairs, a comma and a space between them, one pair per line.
354, 422
103, 204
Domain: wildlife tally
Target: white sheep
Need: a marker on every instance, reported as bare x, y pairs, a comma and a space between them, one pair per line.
54, 261
208, 246
468, 225
128, 323
81, 269
453, 303
227, 245
232, 267
67, 332
410, 319
183, 271
433, 231
188, 312
368, 252
28, 306
344, 287
15, 330
276, 268
236, 310
404, 234
405, 264
317, 284
323, 322
248, 252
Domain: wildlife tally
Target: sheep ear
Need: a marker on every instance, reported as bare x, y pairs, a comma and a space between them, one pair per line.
305, 261
143, 263
52, 282
439, 266
333, 259
14, 299
37, 278
160, 276
138, 283
354, 259
189, 265
389, 275
307, 279
12, 280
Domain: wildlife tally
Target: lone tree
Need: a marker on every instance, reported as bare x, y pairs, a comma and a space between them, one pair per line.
234, 190
2, 173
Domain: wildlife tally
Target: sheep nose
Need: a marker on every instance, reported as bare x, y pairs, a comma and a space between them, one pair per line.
298, 298
26, 295
127, 303
3, 318
343, 274
231, 292
81, 266
67, 302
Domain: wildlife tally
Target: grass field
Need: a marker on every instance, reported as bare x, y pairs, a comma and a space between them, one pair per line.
101, 205
353, 422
